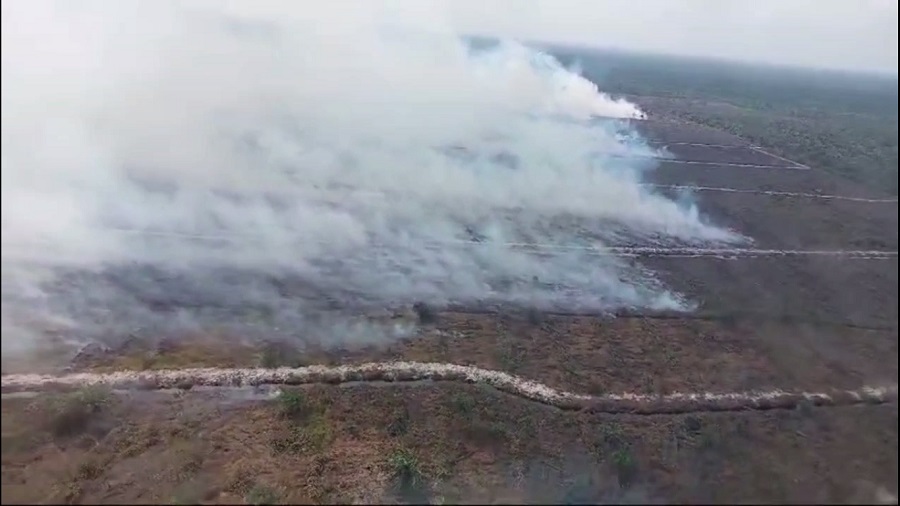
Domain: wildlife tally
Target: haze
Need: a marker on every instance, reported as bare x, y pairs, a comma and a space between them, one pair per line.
172, 166
856, 35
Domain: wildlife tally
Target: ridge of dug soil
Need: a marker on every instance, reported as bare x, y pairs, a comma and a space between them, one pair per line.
422, 371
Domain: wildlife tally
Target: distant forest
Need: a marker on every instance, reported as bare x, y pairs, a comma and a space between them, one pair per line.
842, 122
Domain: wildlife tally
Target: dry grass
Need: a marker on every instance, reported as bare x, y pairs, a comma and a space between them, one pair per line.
574, 353
448, 443
440, 443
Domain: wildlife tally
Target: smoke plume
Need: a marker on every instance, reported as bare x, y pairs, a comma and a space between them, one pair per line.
257, 165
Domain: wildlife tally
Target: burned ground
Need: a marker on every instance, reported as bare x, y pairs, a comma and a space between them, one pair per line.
646, 354
804, 323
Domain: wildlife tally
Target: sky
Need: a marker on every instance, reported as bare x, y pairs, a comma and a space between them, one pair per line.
841, 34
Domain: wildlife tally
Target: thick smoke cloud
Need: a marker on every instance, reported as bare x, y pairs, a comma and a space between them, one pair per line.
170, 164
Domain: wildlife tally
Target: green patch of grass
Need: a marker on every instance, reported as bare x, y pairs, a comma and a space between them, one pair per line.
463, 403
404, 464
94, 397
312, 437
261, 494
625, 465
613, 447
318, 433
311, 430
408, 479
70, 414
293, 404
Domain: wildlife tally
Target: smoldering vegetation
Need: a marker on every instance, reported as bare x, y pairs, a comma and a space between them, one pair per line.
272, 169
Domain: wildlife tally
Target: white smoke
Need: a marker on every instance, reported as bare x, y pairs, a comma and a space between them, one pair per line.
361, 146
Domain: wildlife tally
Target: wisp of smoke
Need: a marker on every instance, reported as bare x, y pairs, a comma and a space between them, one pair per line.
182, 165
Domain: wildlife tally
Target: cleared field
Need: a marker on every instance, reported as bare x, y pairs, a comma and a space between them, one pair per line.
662, 132
716, 153
787, 222
805, 181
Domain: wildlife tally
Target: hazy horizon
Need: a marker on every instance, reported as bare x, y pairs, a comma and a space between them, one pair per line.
714, 60
856, 36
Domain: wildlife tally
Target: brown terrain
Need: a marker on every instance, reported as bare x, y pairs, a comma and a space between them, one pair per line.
794, 323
